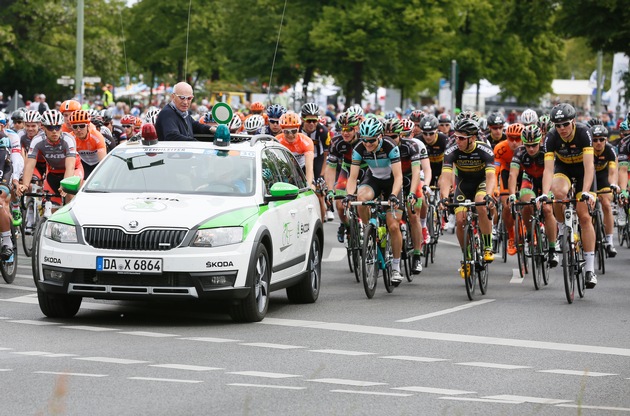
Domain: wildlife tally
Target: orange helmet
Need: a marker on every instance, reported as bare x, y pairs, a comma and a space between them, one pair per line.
290, 120
80, 117
257, 107
128, 120
514, 131
70, 105
138, 122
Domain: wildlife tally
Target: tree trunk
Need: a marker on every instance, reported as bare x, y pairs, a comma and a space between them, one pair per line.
357, 82
461, 83
308, 77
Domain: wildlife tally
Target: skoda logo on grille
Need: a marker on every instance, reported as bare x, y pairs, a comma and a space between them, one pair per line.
133, 224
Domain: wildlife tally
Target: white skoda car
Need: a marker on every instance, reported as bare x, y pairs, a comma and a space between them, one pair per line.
199, 220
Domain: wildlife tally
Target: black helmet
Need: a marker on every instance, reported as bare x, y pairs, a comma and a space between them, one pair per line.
444, 118
310, 109
416, 116
429, 123
17, 115
562, 112
496, 119
467, 126
599, 130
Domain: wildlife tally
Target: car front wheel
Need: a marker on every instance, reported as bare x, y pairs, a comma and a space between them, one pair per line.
307, 290
254, 307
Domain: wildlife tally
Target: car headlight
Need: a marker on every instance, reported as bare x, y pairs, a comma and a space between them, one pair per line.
62, 233
215, 237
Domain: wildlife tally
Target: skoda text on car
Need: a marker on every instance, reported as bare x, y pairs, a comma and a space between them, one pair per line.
200, 220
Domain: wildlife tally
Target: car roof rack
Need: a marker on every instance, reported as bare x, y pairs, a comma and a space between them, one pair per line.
257, 137
237, 137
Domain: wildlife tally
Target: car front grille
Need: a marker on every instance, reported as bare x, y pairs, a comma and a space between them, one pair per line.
117, 239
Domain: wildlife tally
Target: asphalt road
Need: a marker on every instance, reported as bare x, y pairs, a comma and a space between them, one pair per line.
424, 349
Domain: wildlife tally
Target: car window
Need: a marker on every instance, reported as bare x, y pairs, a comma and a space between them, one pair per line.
206, 171
287, 168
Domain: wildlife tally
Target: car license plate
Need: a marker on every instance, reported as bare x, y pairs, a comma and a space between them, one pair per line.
128, 265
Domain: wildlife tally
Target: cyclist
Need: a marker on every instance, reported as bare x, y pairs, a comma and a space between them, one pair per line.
544, 124
254, 124
128, 123
274, 112
236, 124
445, 125
474, 179
10, 172
416, 116
606, 179
383, 177
496, 124
530, 160
529, 117
300, 145
569, 156
17, 120
59, 150
67, 108
339, 162
321, 141
624, 160
90, 144
503, 154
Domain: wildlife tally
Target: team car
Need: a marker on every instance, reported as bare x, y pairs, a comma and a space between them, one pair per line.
231, 219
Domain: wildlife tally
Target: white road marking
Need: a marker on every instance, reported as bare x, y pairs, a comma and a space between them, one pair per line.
433, 390
32, 353
345, 382
210, 339
262, 374
6, 369
89, 328
4, 317
527, 399
266, 386
169, 380
343, 352
440, 336
447, 311
60, 355
476, 399
581, 406
111, 360
185, 367
5, 349
32, 300
412, 358
494, 365
268, 345
336, 254
373, 393
16, 287
580, 373
61, 373
31, 322
149, 334
516, 277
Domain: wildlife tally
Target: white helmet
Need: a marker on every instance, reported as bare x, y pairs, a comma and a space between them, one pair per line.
254, 123
151, 115
52, 118
528, 117
356, 109
32, 116
235, 124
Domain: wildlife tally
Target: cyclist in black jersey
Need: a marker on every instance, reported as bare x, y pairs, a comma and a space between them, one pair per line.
496, 123
606, 178
569, 156
475, 179
445, 125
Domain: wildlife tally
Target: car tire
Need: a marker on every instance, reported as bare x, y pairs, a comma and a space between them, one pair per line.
58, 306
307, 290
254, 307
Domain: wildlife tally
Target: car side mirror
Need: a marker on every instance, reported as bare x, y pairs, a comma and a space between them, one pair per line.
71, 185
282, 191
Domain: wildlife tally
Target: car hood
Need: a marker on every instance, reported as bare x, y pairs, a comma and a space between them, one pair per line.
133, 212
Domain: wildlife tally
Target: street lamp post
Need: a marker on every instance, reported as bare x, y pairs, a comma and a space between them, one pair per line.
79, 88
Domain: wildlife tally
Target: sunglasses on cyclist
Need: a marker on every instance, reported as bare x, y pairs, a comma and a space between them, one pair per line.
567, 124
289, 131
127, 126
78, 126
347, 129
369, 140
514, 139
599, 139
496, 127
273, 121
310, 120
532, 145
458, 137
52, 128
428, 133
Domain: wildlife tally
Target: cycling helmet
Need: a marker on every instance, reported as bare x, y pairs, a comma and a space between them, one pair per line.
275, 111
467, 126
416, 116
128, 119
290, 120
371, 127
32, 116
310, 109
544, 122
599, 131
254, 123
137, 123
151, 115
496, 119
52, 118
207, 118
107, 116
80, 117
444, 118
514, 131
393, 126
390, 115
623, 126
97, 120
348, 119
3, 119
356, 109
429, 123
562, 113
528, 117
467, 114
70, 105
408, 126
257, 107
530, 134
17, 115
594, 122
235, 124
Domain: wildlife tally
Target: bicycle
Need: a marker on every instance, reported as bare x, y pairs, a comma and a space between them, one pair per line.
406, 255
600, 234
354, 240
42, 210
434, 224
473, 263
623, 231
377, 250
536, 246
521, 241
500, 241
31, 209
8, 268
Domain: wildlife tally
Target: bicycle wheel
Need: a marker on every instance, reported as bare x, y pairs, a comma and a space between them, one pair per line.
481, 267
519, 243
369, 261
8, 268
544, 247
504, 238
580, 278
537, 255
600, 242
357, 250
469, 255
351, 248
569, 266
386, 253
406, 253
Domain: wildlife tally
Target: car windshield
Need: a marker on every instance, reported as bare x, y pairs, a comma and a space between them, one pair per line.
176, 170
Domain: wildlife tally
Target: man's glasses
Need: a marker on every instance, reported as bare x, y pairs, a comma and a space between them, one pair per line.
52, 128
185, 97
310, 120
514, 139
273, 121
347, 129
428, 133
567, 124
496, 127
531, 145
289, 131
445, 124
78, 126
599, 139
127, 126
369, 140
458, 137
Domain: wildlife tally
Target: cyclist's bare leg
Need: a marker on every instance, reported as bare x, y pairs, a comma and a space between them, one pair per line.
586, 224
609, 221
365, 193
416, 229
393, 227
